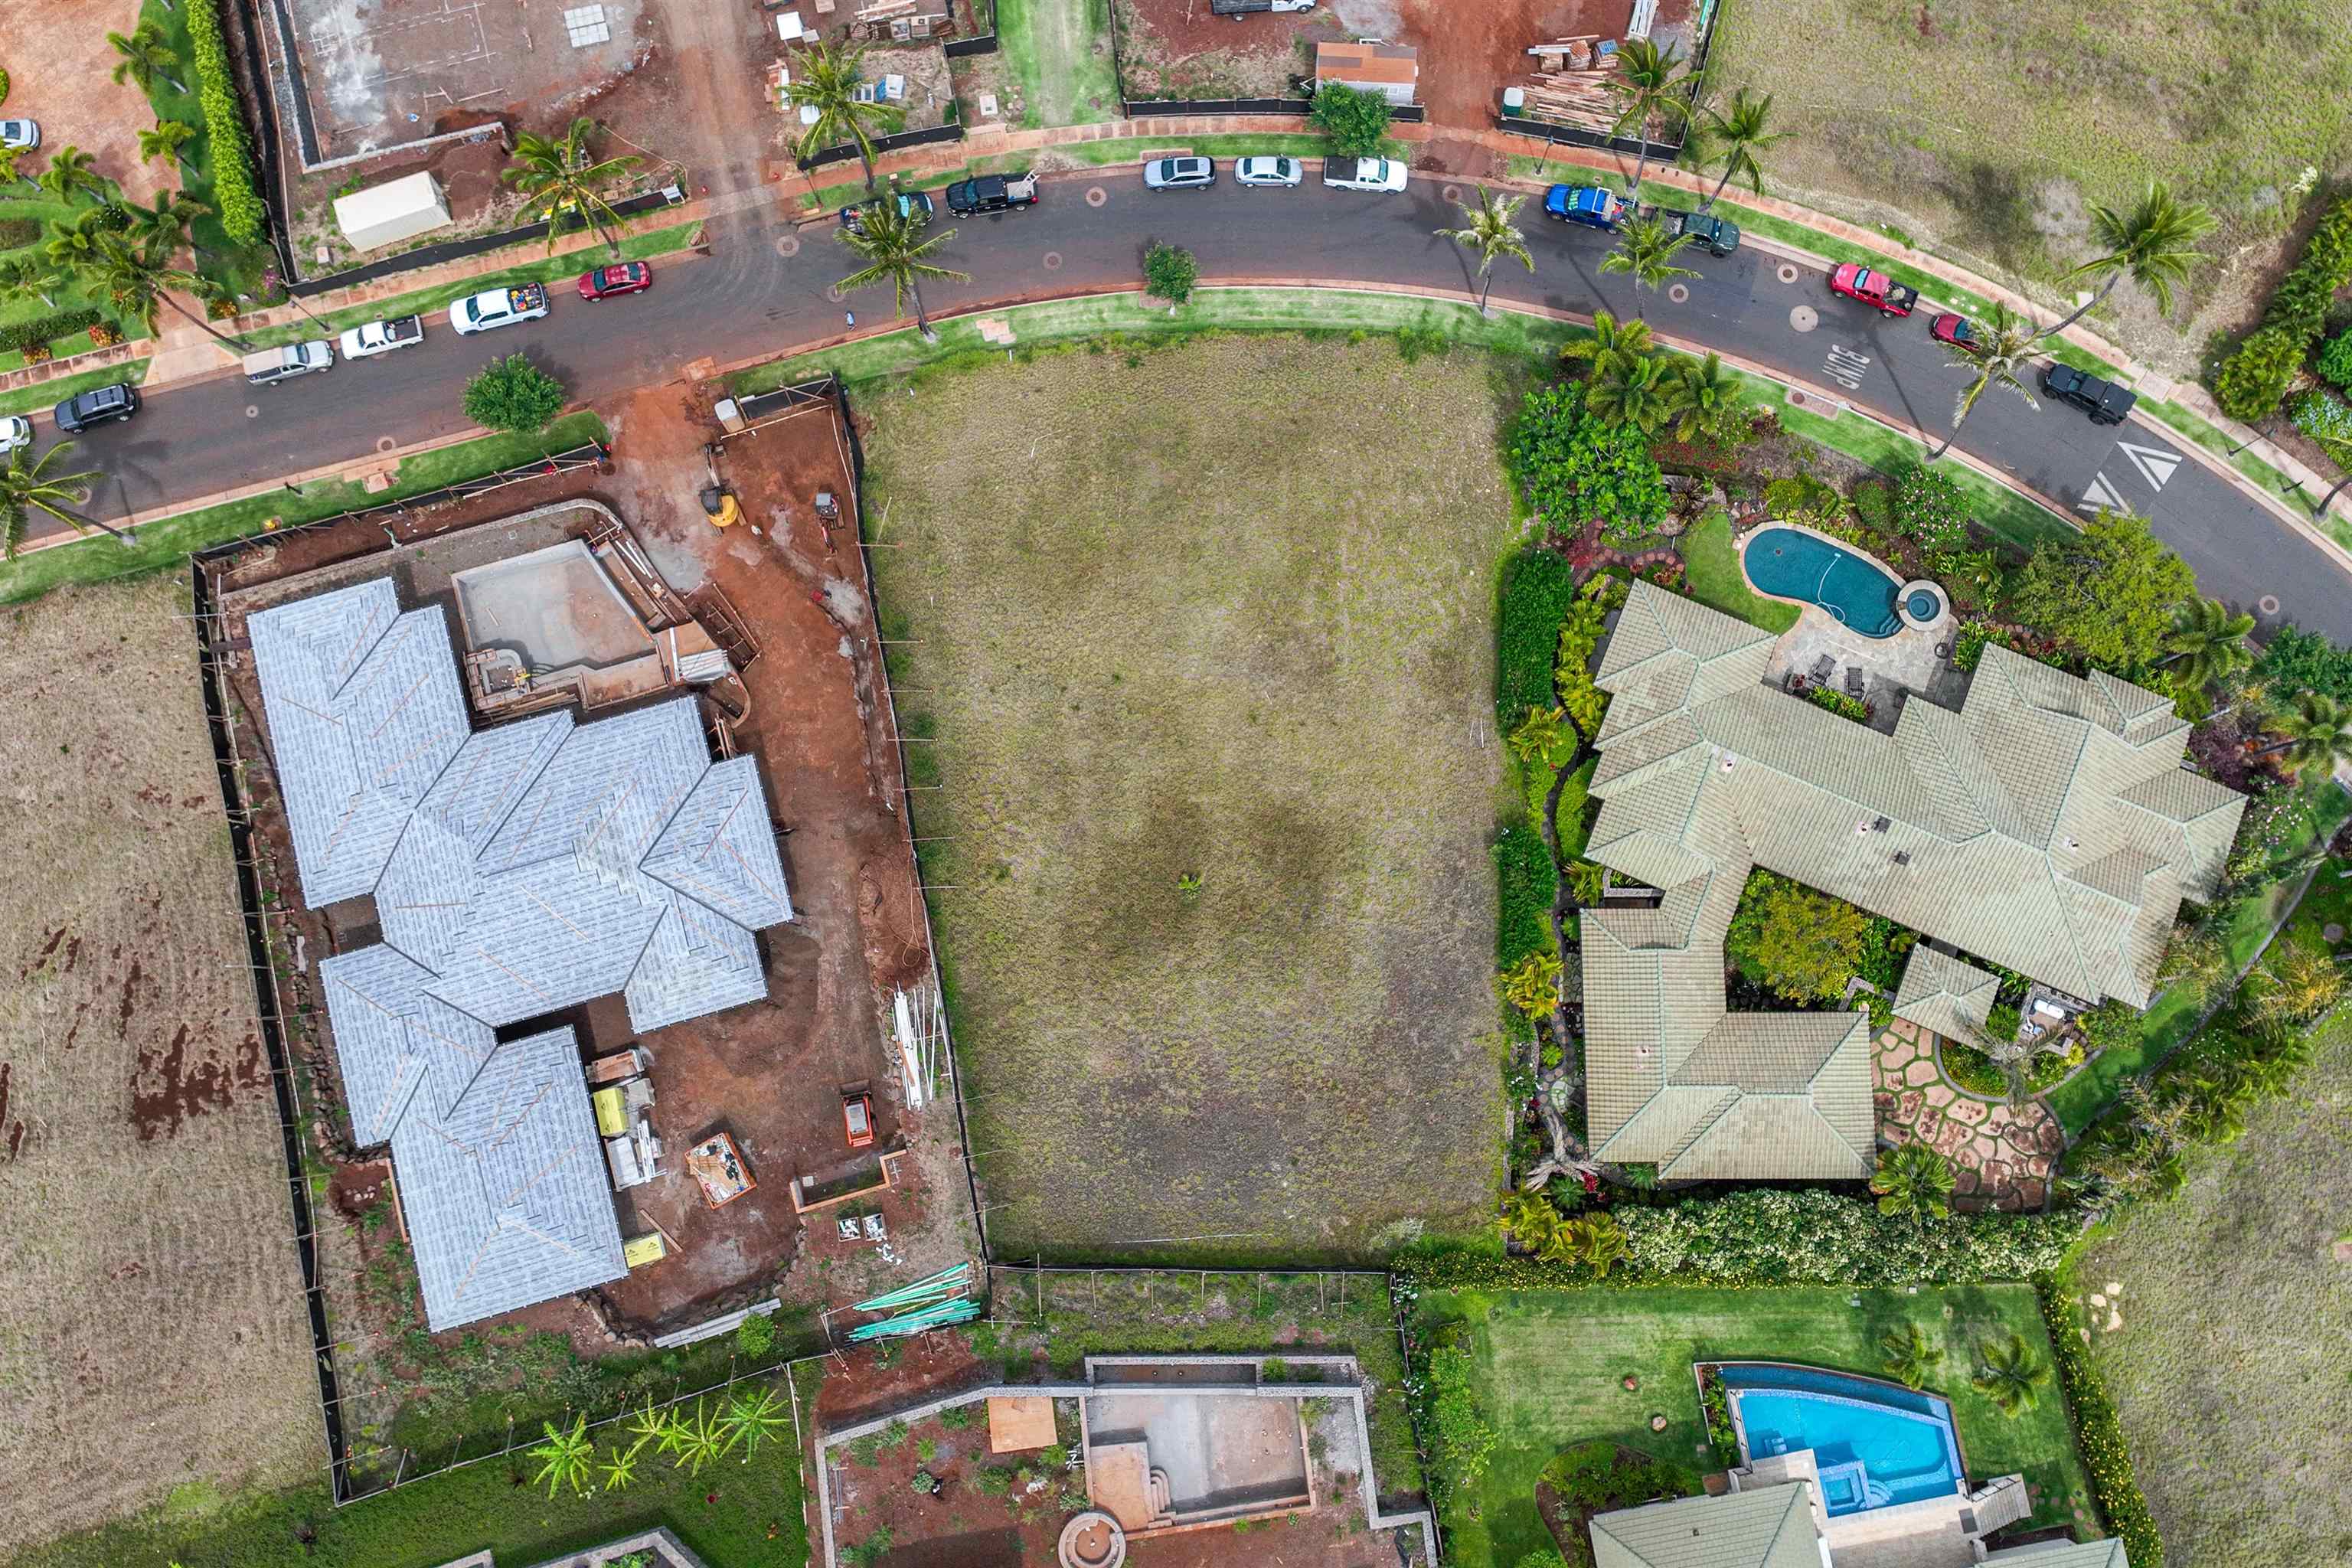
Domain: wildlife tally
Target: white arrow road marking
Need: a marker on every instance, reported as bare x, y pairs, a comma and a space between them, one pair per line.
1845, 366
2155, 464
2099, 493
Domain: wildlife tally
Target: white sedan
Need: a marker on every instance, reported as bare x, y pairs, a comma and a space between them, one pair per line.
1267, 171
15, 431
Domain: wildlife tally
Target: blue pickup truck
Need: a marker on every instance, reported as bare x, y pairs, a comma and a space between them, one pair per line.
1596, 208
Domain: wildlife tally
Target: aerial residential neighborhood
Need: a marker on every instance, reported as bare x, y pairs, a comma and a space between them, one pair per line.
952, 784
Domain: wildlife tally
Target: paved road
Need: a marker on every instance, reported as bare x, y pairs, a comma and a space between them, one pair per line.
750, 298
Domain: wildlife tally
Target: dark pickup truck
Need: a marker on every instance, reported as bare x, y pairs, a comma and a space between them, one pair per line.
992, 194
2104, 401
1716, 236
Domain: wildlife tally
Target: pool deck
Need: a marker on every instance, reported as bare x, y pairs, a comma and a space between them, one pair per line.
1891, 665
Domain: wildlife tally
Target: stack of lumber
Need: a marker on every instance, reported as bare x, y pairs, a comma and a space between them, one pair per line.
1586, 99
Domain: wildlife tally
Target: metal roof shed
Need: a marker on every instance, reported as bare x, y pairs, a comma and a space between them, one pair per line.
396, 210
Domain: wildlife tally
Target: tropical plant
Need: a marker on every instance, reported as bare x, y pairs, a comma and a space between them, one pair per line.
1170, 271
70, 172
2314, 733
753, 1418
2152, 244
2011, 1375
2108, 592
896, 250
30, 484
1488, 234
1543, 736
619, 1469
1645, 252
243, 215
169, 225
515, 395
1596, 1241
1911, 1357
146, 56
1644, 83
2299, 983
1610, 342
1734, 138
826, 79
1636, 393
2000, 357
566, 1458
1355, 119
8, 171
1912, 1181
1532, 985
563, 178
695, 1440
1571, 464
1803, 944
165, 141
1710, 402
2195, 963
2208, 642
2000, 1043
138, 281
1529, 1219
24, 278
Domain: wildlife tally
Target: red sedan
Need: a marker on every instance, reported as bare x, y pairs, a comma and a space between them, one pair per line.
1875, 290
605, 282
1956, 331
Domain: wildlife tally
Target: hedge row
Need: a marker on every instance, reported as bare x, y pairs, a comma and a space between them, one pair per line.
2253, 378
2097, 1431
233, 196
18, 336
1527, 883
1539, 587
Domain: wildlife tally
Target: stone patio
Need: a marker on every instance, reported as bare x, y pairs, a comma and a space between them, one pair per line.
2001, 1157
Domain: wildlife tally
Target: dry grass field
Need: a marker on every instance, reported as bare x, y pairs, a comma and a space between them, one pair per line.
1204, 637
152, 1345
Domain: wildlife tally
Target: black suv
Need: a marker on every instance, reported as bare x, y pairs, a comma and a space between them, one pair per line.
100, 406
1716, 236
992, 194
2104, 401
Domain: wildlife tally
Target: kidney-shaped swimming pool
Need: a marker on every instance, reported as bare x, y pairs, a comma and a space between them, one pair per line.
1875, 1443
1794, 564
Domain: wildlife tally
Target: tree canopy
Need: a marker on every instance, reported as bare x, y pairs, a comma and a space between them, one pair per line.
1803, 944
512, 393
2108, 593
1353, 119
1574, 464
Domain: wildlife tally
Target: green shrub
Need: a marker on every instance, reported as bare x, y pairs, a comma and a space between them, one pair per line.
2098, 1433
239, 205
2304, 295
2336, 359
1801, 496
2297, 660
513, 395
755, 1336
1168, 273
1539, 587
1460, 1432
1930, 508
1839, 703
1874, 506
1526, 884
1355, 119
18, 336
2322, 415
1573, 466
995, 1481
2251, 380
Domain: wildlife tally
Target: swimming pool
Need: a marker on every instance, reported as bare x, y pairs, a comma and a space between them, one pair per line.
1797, 565
1875, 1444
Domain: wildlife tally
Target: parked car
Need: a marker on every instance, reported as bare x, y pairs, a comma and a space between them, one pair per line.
1716, 235
267, 367
1592, 206
992, 194
22, 135
1363, 173
15, 431
622, 277
1237, 9
1268, 172
98, 405
2104, 401
498, 307
909, 203
1180, 174
382, 337
1875, 290
1956, 331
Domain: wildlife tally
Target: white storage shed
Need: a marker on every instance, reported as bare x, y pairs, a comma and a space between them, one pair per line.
396, 210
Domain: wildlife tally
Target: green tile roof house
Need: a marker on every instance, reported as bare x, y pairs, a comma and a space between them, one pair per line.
1777, 1527
2048, 826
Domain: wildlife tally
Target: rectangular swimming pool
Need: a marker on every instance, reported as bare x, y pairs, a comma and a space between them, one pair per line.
1875, 1444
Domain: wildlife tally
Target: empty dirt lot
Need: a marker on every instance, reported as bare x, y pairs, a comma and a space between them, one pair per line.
151, 1336
1209, 696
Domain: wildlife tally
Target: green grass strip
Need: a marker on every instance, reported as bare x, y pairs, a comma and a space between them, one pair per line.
1713, 577
166, 543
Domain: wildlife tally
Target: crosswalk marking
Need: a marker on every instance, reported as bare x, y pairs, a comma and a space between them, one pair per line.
2098, 493
1845, 366
2155, 464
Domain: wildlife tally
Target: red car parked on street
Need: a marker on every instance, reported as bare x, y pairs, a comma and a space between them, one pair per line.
1956, 331
1875, 290
625, 278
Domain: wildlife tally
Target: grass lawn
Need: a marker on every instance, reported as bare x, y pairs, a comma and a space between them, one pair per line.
21, 201
1550, 1365
1060, 49
2170, 1024
170, 541
2227, 1366
1212, 887
47, 395
1716, 580
423, 301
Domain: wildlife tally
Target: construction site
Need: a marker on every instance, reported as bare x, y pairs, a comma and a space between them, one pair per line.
580, 828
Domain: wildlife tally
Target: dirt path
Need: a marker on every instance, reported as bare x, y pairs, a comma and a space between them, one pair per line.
720, 127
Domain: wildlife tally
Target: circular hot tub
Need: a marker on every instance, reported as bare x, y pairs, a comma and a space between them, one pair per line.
1093, 1539
1921, 604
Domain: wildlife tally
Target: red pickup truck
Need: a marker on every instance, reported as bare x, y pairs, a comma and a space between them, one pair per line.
1875, 290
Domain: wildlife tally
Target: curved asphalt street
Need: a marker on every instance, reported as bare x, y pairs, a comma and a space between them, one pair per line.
750, 298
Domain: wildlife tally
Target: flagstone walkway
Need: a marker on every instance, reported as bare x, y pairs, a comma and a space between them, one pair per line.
2001, 1157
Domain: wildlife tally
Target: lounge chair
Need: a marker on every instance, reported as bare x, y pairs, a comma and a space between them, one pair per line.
1853, 681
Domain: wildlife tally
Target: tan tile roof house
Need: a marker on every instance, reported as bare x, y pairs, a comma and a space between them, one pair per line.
1773, 1528
2047, 826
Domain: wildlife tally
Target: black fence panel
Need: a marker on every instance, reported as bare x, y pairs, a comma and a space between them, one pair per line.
964, 48
1152, 108
1575, 136
457, 249
884, 144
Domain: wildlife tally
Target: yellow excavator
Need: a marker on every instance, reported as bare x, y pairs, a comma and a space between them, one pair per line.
719, 503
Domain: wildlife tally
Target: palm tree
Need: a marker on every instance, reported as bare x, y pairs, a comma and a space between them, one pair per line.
2208, 642
145, 57
1643, 82
138, 279
564, 1459
2195, 963
1645, 250
1641, 392
1998, 358
1733, 140
1708, 399
2152, 244
890, 237
27, 486
8, 171
2316, 732
25, 278
73, 244
68, 172
827, 80
1911, 1358
2304, 981
2011, 1375
1913, 1180
165, 141
168, 223
2013, 1055
562, 179
1611, 342
1487, 233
